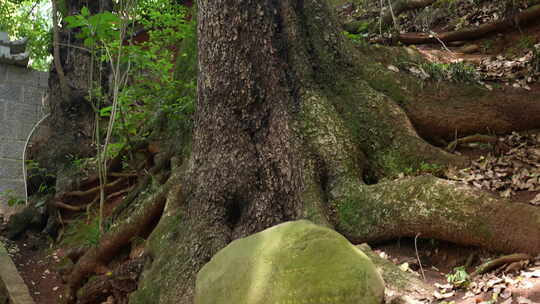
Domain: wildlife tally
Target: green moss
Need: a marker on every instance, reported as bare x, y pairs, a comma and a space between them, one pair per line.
161, 277
395, 164
295, 262
368, 211
352, 216
328, 136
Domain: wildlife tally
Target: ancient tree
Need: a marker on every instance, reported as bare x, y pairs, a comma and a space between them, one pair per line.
294, 121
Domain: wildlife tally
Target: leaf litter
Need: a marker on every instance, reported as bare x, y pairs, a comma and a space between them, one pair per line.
516, 168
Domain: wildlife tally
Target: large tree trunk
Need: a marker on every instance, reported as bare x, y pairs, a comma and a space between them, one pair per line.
288, 124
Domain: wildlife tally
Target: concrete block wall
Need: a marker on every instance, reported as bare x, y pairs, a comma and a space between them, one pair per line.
21, 92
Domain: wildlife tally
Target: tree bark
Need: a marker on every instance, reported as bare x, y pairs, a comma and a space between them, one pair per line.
293, 121
288, 124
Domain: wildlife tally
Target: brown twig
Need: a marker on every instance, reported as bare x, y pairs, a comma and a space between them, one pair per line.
111, 243
418, 257
470, 139
516, 257
118, 193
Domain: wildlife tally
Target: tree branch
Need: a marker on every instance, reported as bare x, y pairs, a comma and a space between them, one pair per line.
528, 15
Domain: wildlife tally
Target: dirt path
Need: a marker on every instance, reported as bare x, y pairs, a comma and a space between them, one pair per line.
37, 266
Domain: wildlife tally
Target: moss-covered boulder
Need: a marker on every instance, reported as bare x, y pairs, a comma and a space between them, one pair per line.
294, 262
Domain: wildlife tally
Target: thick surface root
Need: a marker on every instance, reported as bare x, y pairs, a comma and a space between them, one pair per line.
95, 260
440, 209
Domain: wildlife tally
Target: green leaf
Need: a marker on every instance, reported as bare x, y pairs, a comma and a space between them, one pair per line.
73, 21
105, 112
89, 42
85, 12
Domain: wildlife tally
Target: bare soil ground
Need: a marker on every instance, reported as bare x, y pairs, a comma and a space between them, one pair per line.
37, 265
520, 285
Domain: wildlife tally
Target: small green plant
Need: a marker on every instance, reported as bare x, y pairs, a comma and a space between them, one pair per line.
434, 169
143, 79
34, 170
356, 38
455, 71
523, 45
11, 198
459, 278
487, 45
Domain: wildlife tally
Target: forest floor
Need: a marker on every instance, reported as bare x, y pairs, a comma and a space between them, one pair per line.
514, 283
508, 171
517, 283
509, 167
38, 265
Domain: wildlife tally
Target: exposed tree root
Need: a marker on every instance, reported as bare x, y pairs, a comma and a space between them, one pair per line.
118, 193
516, 257
439, 209
526, 16
122, 281
132, 195
471, 139
440, 110
122, 174
77, 208
74, 254
70, 207
94, 190
95, 260
468, 116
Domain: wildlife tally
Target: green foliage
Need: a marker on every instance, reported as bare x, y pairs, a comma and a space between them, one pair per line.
147, 84
357, 38
397, 165
458, 278
30, 19
35, 170
11, 198
487, 45
455, 71
102, 27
